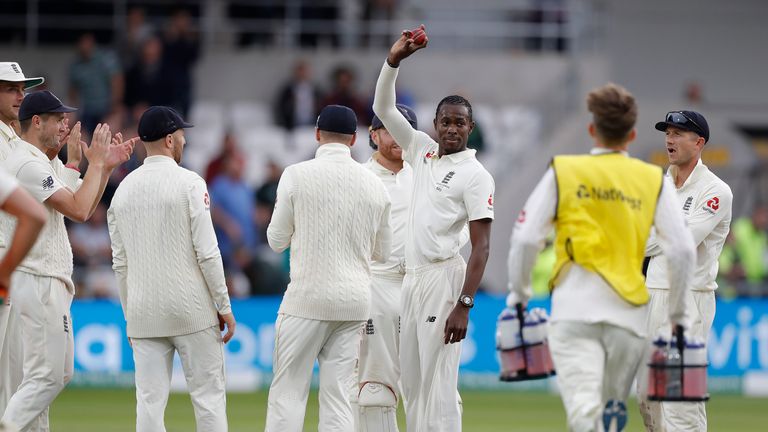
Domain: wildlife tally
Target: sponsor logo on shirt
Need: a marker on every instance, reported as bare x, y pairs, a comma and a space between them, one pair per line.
490, 202
429, 155
48, 183
207, 201
431, 319
610, 194
688, 202
712, 205
521, 217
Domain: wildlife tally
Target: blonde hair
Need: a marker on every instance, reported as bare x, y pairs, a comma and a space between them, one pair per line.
614, 112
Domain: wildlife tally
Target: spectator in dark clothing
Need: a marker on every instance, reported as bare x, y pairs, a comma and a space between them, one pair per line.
344, 93
181, 49
217, 165
149, 82
298, 101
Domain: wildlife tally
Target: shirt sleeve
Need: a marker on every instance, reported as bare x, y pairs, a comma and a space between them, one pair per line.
714, 206
478, 197
384, 101
280, 229
529, 234
39, 179
119, 260
8, 184
676, 241
383, 243
206, 246
69, 177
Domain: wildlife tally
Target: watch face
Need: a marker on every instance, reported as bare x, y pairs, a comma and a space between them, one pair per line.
467, 300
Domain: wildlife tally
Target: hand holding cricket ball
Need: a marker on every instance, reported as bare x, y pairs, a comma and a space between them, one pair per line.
410, 41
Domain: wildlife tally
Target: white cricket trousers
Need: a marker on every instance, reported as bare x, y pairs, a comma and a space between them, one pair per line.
298, 343
11, 366
48, 348
202, 359
429, 367
674, 416
379, 354
595, 363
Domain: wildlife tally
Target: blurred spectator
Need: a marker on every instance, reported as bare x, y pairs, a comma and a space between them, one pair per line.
130, 42
266, 195
377, 17
751, 246
343, 92
149, 82
216, 165
181, 50
95, 83
693, 94
298, 101
92, 252
233, 211
320, 22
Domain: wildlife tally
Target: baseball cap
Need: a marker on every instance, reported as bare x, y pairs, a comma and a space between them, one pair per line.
688, 120
405, 110
42, 102
159, 121
11, 71
338, 119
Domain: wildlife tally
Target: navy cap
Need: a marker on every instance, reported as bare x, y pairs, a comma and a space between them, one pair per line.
688, 120
42, 102
376, 123
338, 119
159, 121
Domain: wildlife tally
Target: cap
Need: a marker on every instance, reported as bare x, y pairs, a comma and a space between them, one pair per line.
405, 110
376, 123
338, 119
688, 120
11, 71
41, 102
159, 121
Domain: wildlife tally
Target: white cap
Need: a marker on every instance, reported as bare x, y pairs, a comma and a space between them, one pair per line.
11, 71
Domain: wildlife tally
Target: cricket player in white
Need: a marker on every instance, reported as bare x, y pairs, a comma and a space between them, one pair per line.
334, 215
377, 384
706, 202
602, 207
42, 285
171, 277
451, 188
13, 84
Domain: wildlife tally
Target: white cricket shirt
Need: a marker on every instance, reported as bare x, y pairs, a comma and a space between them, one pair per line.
399, 186
706, 202
448, 191
8, 184
583, 295
52, 254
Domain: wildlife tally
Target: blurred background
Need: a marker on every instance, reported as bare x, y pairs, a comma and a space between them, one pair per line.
252, 74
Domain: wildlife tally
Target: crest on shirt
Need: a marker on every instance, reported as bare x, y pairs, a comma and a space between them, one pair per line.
688, 202
712, 205
48, 183
207, 200
448, 177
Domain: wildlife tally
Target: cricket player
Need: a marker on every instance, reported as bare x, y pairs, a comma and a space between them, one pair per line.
171, 277
334, 214
602, 207
13, 84
705, 202
377, 383
450, 189
42, 284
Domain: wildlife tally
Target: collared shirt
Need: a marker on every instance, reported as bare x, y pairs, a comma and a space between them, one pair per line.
705, 201
52, 254
448, 191
400, 186
583, 295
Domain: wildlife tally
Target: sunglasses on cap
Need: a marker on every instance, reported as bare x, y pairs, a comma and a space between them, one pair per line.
678, 117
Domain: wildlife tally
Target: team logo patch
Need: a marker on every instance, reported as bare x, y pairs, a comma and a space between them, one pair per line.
448, 177
48, 183
688, 202
369, 330
15, 68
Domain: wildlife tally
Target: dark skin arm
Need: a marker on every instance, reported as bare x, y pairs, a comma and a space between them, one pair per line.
404, 47
480, 236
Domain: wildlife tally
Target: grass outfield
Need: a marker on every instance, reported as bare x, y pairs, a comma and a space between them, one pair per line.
90, 410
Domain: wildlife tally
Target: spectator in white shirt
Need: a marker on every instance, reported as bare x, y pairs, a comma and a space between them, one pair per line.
333, 213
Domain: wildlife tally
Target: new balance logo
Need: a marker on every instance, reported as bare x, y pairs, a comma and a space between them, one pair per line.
48, 183
369, 327
688, 202
66, 324
431, 319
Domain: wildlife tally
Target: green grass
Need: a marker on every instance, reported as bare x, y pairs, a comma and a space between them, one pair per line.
89, 410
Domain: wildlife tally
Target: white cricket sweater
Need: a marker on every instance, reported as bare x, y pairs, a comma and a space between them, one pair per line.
165, 253
334, 215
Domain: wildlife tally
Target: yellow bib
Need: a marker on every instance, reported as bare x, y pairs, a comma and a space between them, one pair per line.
605, 209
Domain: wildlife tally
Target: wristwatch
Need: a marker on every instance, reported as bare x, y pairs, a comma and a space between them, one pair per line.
466, 301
